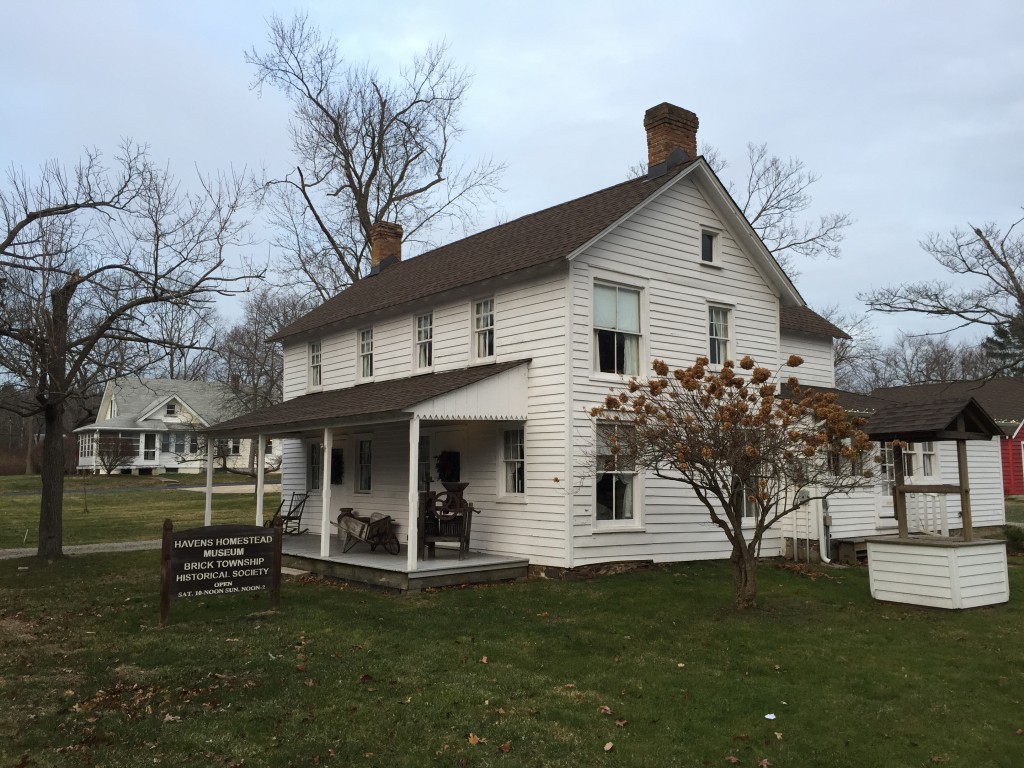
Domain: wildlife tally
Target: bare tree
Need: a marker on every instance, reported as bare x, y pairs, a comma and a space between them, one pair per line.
115, 452
184, 340
85, 255
851, 356
749, 455
987, 289
774, 195
368, 149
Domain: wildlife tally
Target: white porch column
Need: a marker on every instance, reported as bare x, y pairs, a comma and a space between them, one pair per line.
208, 519
414, 492
325, 496
261, 456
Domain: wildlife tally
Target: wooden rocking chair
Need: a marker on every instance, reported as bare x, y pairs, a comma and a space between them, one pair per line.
291, 520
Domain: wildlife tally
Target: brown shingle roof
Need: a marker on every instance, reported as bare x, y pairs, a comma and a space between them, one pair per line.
924, 420
1002, 397
530, 241
320, 408
806, 320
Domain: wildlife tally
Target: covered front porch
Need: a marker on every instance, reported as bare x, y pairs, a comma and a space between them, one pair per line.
375, 450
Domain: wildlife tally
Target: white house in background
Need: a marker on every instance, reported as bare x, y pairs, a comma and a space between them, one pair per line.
157, 423
483, 357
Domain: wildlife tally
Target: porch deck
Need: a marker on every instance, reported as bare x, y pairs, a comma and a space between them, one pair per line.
379, 569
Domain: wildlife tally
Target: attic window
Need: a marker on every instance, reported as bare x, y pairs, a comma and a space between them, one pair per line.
172, 409
708, 247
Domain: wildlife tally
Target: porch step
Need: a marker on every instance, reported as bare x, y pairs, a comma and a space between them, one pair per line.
458, 573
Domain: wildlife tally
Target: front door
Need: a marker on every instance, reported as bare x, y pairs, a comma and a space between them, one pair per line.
149, 447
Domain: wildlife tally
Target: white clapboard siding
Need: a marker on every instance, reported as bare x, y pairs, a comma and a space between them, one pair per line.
866, 512
962, 575
818, 369
530, 319
658, 250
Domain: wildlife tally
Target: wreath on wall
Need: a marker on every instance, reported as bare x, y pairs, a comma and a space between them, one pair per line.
448, 466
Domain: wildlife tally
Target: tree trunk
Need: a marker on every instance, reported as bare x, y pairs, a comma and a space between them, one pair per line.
51, 529
52, 396
27, 426
744, 575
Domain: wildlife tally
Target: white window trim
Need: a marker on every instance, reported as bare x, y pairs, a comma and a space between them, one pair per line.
599, 276
473, 331
636, 524
416, 343
314, 372
716, 247
357, 477
502, 496
730, 352
359, 355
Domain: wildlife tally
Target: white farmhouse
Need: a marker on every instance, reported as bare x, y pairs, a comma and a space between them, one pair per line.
152, 427
481, 359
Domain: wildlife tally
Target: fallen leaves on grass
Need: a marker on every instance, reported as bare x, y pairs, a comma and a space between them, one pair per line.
364, 678
483, 660
569, 685
732, 759
169, 718
604, 709
621, 723
778, 736
609, 747
763, 763
474, 739
506, 747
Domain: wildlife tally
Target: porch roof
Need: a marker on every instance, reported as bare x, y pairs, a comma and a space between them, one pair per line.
487, 392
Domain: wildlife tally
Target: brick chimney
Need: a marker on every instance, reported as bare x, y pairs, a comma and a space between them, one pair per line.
668, 127
385, 243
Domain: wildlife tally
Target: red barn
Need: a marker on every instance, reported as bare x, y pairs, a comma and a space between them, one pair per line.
1002, 397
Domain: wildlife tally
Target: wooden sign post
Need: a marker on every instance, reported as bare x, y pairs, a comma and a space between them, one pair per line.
219, 560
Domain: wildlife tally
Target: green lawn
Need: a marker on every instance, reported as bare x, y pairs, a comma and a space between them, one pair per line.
542, 673
117, 508
1015, 509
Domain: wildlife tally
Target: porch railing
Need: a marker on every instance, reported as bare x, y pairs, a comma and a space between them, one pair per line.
927, 513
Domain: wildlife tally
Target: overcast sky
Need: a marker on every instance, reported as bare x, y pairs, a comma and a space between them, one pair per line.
912, 113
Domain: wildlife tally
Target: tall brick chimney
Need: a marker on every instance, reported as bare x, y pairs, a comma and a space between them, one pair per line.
385, 242
668, 127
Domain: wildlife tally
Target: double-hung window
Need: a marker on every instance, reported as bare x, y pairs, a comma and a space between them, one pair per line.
364, 466
919, 461
315, 467
616, 329
514, 462
616, 479
718, 335
483, 329
315, 378
366, 353
171, 409
425, 340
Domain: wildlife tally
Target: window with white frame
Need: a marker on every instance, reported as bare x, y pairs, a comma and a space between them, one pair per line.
173, 442
483, 328
718, 335
708, 247
315, 376
364, 466
366, 353
229, 446
425, 340
87, 445
171, 409
514, 461
315, 466
615, 486
616, 329
918, 461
